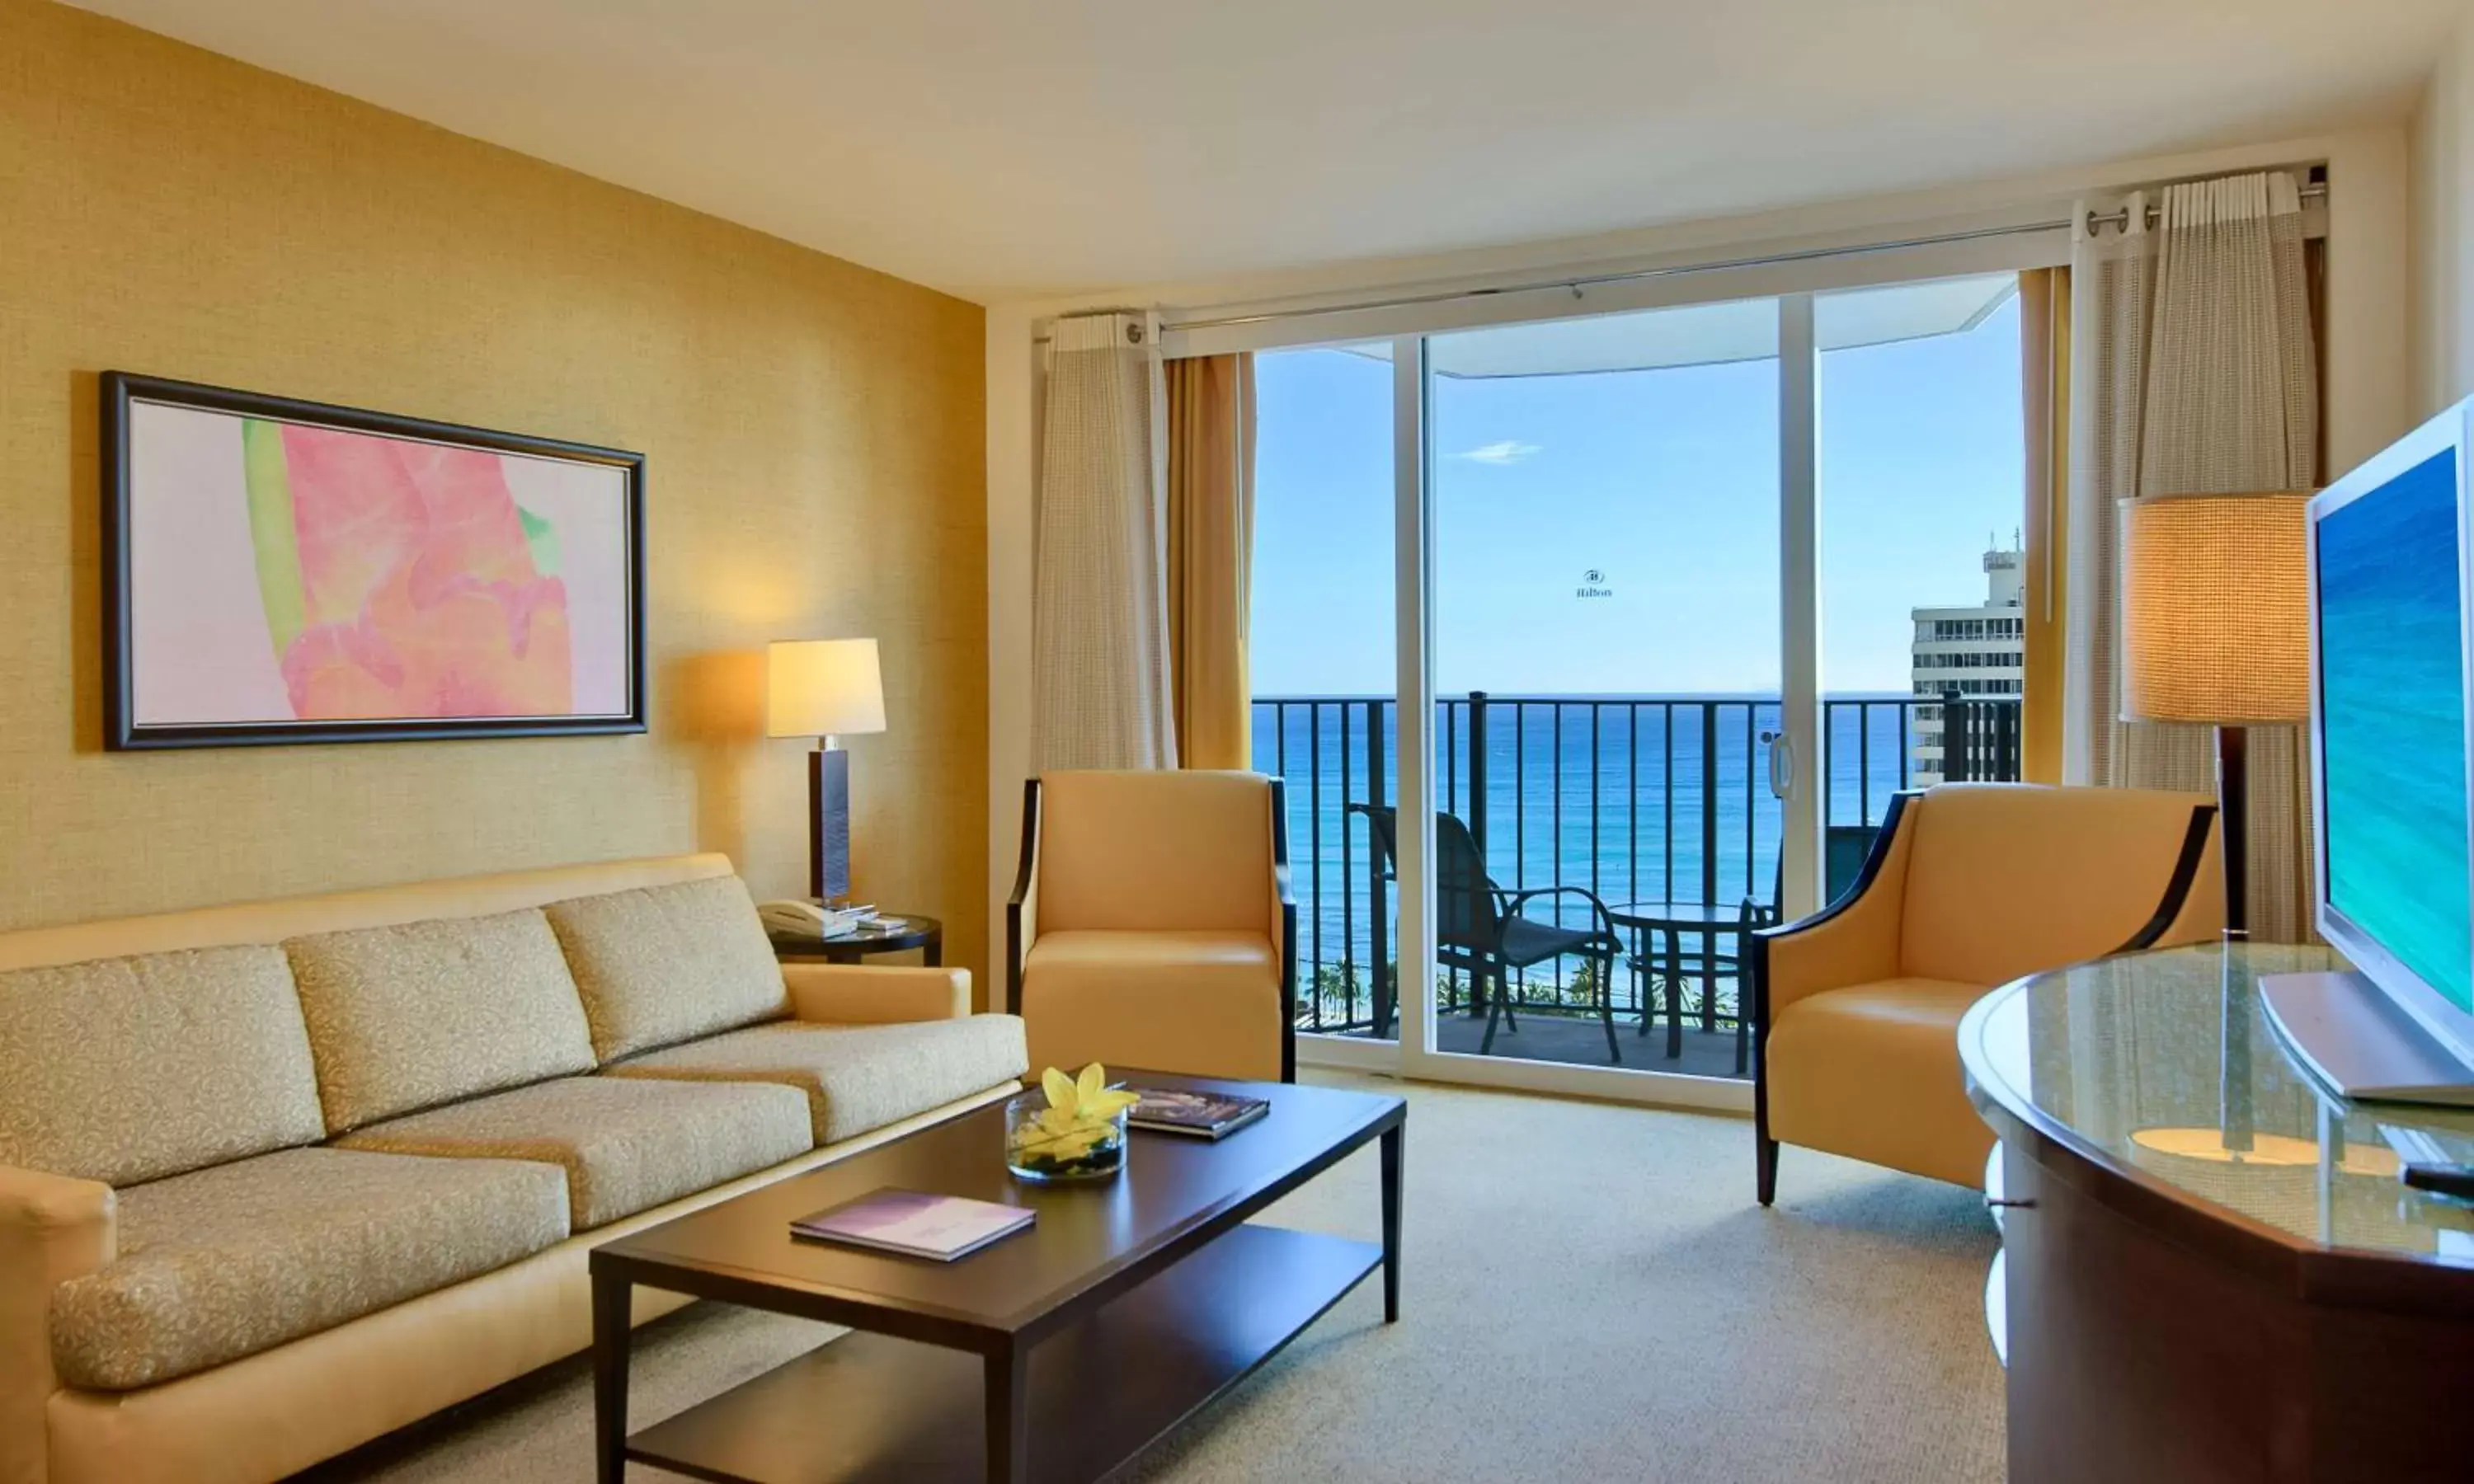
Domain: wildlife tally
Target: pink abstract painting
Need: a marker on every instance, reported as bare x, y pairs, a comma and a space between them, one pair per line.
287, 572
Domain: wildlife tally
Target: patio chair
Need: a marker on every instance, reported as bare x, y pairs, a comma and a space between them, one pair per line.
1479, 928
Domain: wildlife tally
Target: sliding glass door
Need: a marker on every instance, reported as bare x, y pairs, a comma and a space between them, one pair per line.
1921, 484
1606, 614
1677, 598
1323, 658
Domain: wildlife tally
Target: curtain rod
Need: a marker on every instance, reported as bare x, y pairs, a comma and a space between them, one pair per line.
1574, 285
2315, 190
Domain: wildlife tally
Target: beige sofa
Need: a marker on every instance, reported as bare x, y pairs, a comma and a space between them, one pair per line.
278, 1178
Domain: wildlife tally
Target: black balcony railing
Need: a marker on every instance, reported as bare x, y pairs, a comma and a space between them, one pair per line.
1639, 799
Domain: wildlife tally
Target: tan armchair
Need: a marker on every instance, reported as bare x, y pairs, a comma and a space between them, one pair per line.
1153, 926
1969, 885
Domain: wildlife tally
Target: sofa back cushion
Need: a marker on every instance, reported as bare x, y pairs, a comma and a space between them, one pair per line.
669, 964
130, 1069
408, 1016
334, 912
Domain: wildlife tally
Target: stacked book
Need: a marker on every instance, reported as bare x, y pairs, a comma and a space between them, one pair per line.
808, 919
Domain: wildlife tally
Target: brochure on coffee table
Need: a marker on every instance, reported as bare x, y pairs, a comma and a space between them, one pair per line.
914, 1224
1200, 1115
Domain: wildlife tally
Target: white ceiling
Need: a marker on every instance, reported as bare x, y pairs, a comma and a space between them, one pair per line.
1016, 148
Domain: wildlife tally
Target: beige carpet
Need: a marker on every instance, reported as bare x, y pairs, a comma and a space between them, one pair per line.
1590, 1294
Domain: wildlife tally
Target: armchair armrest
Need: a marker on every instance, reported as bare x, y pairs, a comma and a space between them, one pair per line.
52, 1229
1601, 920
1854, 942
1284, 928
1022, 908
855, 994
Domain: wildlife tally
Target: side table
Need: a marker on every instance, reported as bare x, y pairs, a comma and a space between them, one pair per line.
924, 933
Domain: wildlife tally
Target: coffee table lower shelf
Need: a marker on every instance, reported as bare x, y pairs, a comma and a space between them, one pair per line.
868, 1407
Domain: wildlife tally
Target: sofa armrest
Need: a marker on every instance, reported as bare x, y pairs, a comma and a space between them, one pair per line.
854, 994
52, 1229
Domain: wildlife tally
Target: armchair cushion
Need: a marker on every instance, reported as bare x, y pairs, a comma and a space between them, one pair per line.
129, 1069
1205, 1003
1871, 1071
1155, 851
233, 1260
627, 1146
412, 1015
856, 1077
661, 965
2005, 879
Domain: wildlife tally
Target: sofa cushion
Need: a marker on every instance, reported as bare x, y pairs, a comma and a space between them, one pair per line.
668, 963
410, 1017
1205, 1003
1871, 1071
130, 1070
627, 1146
856, 1077
229, 1262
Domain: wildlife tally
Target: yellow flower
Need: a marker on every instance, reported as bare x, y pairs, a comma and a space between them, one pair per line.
1082, 1102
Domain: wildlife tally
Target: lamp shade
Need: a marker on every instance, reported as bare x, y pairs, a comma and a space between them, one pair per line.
822, 687
2215, 609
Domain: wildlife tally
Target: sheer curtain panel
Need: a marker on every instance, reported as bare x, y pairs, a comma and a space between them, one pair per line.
1100, 644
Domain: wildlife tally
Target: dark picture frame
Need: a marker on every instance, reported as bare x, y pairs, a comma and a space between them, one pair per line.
124, 393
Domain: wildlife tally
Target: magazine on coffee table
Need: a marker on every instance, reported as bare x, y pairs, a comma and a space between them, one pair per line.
914, 1224
1196, 1115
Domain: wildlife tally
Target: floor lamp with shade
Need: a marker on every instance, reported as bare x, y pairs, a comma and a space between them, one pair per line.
826, 689
2216, 631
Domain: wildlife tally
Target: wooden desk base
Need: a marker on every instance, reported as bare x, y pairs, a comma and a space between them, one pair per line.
2136, 1360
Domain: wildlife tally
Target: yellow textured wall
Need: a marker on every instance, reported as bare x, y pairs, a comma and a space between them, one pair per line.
814, 432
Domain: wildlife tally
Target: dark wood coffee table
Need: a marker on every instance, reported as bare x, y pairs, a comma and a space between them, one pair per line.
1058, 1355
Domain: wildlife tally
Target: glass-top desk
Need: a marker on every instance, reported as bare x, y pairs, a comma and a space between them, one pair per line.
2209, 1270
2165, 1064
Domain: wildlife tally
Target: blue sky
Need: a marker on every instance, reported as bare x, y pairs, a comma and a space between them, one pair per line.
1665, 482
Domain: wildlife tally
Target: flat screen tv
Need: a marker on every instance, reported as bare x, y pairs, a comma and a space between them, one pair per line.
2389, 655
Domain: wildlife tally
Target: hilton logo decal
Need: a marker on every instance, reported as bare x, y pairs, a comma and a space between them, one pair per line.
1594, 584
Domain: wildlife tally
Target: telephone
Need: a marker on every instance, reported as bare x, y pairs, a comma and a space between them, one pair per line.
797, 918
792, 919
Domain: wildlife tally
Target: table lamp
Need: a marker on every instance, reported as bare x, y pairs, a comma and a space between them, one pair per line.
826, 689
2216, 631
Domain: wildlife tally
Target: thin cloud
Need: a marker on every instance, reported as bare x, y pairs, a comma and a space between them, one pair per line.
1502, 453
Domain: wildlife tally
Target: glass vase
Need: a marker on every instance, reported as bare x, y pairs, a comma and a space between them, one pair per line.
1038, 1150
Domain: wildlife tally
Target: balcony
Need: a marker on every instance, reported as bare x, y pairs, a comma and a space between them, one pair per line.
1657, 806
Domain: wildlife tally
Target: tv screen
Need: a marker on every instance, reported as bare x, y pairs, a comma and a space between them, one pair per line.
2393, 743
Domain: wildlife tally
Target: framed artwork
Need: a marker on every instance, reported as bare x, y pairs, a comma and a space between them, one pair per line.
286, 571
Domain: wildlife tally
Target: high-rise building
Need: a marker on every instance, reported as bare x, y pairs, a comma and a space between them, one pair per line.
1968, 652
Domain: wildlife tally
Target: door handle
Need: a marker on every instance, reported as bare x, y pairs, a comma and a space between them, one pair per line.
1782, 764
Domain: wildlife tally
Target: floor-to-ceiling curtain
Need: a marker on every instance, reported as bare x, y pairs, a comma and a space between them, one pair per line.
1211, 549
1100, 646
2195, 371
